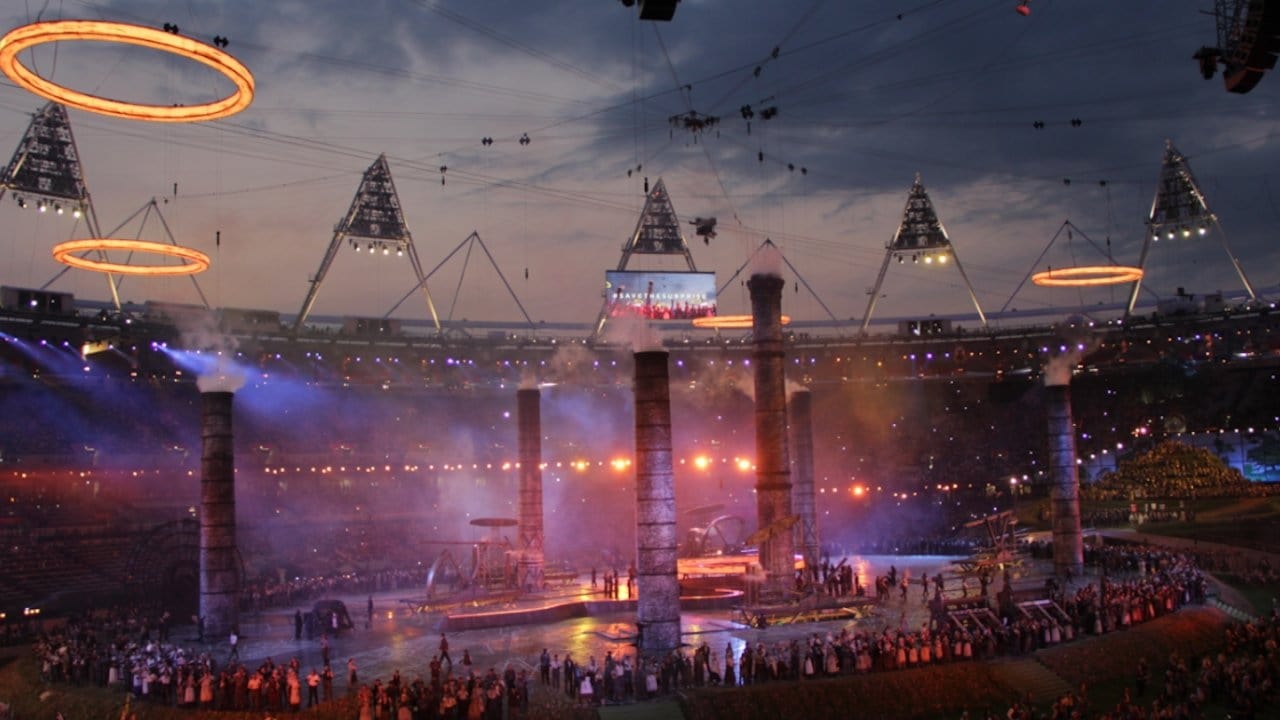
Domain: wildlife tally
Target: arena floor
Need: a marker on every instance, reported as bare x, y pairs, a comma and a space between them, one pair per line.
399, 639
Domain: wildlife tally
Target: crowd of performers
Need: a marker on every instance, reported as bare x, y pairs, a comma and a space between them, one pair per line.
129, 649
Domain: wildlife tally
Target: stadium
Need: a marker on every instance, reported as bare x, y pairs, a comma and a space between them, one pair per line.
386, 450
345, 423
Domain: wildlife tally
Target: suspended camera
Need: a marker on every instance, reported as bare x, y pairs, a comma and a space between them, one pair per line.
704, 228
662, 10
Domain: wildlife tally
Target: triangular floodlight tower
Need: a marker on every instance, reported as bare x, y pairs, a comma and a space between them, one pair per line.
922, 238
1179, 211
45, 169
374, 220
799, 278
469, 243
46, 164
657, 233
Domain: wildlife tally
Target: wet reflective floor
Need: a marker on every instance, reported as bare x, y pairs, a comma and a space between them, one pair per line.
398, 639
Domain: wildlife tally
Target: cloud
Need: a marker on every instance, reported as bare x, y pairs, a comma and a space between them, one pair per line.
864, 101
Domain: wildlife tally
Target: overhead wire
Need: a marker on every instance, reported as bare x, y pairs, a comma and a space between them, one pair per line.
337, 150
715, 171
489, 32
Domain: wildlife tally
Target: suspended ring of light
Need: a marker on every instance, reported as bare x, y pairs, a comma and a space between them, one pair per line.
28, 36
194, 261
1088, 276
730, 322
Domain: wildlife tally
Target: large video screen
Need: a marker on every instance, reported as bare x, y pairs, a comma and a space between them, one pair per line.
660, 295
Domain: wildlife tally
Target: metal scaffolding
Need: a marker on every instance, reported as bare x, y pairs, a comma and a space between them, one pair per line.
657, 233
1179, 210
374, 221
922, 238
45, 170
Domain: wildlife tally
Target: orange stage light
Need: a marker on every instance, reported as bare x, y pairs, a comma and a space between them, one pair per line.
730, 322
28, 36
1088, 276
194, 261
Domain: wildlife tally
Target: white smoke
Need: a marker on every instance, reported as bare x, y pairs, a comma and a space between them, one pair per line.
222, 376
528, 380
712, 385
199, 332
570, 364
637, 333
795, 387
766, 261
1076, 342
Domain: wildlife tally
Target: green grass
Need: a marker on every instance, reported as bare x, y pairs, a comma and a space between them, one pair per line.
1245, 522
917, 694
1105, 664
657, 710
1260, 597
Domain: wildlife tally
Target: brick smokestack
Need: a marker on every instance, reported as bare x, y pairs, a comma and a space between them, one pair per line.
529, 432
657, 585
1068, 542
219, 558
773, 463
802, 495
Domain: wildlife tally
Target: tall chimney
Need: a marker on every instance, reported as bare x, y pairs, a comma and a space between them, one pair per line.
1068, 542
803, 497
219, 558
773, 465
529, 431
658, 587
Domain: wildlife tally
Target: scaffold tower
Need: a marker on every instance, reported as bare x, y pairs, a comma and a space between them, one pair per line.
45, 174
657, 233
922, 239
1179, 212
374, 223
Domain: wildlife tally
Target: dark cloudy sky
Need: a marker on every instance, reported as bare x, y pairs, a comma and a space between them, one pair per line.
867, 95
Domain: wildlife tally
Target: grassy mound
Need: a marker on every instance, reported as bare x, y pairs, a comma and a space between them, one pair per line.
1105, 664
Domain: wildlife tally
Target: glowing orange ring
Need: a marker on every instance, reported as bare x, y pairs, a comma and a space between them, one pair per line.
1088, 276
730, 322
194, 261
28, 36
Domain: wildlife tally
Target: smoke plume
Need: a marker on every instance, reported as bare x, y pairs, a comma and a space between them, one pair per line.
200, 334
766, 261
1076, 341
637, 333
